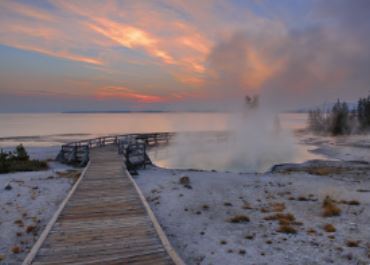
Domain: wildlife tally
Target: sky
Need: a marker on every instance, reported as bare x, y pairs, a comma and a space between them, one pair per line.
82, 55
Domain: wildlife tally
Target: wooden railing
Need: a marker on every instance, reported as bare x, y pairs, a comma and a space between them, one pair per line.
77, 153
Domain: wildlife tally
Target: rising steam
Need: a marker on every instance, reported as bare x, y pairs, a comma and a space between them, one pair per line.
253, 142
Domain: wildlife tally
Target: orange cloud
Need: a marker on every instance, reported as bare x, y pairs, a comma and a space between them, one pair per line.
130, 37
190, 80
127, 94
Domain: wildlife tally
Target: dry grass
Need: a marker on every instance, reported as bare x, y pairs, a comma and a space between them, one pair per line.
352, 243
330, 208
325, 171
19, 223
247, 206
311, 232
287, 229
329, 228
351, 202
30, 228
205, 207
303, 198
317, 170
274, 207
16, 249
239, 219
284, 219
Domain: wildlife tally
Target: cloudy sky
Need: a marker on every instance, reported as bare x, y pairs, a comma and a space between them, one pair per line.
62, 55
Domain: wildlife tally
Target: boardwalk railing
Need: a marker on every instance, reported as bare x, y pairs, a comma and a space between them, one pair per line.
132, 146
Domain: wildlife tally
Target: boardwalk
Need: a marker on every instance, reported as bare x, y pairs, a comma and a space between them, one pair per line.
104, 221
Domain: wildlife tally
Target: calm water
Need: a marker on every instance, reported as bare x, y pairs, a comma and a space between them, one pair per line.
53, 129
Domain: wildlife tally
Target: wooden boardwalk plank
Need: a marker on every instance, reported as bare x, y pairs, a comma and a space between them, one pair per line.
104, 221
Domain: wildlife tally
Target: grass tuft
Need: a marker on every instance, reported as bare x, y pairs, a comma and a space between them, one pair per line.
287, 229
16, 249
284, 219
329, 228
239, 219
353, 243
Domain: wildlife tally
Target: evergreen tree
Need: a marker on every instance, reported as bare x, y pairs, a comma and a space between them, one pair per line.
21, 153
339, 119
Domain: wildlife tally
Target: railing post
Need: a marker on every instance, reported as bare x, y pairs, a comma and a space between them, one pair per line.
86, 155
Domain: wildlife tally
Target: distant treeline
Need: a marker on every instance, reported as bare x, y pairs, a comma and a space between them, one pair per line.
340, 120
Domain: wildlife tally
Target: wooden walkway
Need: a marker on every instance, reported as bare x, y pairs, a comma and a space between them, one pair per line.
104, 221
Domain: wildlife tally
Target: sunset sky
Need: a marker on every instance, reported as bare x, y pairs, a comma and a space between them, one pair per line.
63, 55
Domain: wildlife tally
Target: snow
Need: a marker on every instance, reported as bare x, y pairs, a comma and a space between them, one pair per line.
196, 233
31, 200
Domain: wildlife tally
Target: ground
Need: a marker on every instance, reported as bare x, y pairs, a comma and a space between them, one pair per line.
277, 217
197, 217
27, 202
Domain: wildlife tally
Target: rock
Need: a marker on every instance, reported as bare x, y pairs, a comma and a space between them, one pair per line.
8, 187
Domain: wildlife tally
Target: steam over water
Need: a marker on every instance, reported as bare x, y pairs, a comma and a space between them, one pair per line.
254, 142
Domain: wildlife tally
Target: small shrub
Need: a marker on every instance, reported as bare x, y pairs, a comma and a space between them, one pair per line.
302, 198
16, 249
242, 252
185, 181
239, 219
30, 228
329, 208
19, 161
311, 231
19, 223
228, 204
223, 242
329, 228
287, 229
352, 243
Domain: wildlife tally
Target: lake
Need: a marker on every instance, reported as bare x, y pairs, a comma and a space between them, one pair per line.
54, 129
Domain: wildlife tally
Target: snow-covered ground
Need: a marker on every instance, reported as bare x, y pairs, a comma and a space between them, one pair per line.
197, 223
27, 202
196, 217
